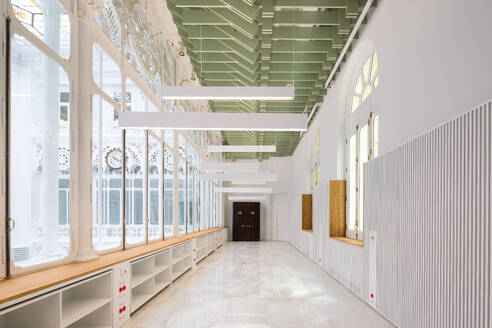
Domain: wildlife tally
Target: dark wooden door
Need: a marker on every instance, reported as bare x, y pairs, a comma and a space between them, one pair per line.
246, 221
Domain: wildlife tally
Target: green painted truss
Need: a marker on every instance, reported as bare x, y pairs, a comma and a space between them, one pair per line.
265, 43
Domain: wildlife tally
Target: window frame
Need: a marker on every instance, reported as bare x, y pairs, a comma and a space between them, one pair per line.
17, 28
363, 115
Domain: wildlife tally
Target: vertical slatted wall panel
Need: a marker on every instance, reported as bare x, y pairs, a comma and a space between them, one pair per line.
430, 204
342, 261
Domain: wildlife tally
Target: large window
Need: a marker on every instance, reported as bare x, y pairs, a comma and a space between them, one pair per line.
107, 159
190, 199
106, 176
196, 203
182, 196
168, 192
132, 193
155, 186
135, 148
39, 156
362, 142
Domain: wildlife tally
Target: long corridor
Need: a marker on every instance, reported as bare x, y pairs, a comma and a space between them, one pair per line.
256, 285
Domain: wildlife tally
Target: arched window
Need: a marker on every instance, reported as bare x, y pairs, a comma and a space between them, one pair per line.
367, 81
362, 142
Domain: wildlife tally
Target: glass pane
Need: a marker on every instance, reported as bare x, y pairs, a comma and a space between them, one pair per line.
375, 135
355, 103
168, 192
352, 181
134, 203
367, 92
190, 199
374, 69
358, 85
182, 146
107, 160
169, 137
137, 99
196, 203
39, 165
47, 20
366, 70
363, 157
155, 187
182, 196
106, 73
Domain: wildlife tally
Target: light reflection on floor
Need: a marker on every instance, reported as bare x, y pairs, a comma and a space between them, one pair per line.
256, 285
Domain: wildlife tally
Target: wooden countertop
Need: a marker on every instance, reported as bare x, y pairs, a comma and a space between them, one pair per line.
33, 282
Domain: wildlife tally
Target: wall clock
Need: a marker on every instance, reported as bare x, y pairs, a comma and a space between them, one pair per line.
114, 159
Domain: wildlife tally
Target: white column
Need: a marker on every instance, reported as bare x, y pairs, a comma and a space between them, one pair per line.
83, 77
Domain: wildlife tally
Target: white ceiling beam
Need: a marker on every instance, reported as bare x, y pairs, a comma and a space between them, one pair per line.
244, 190
242, 149
227, 93
241, 176
213, 121
251, 166
245, 198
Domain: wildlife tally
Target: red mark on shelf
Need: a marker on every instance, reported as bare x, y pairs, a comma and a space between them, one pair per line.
124, 287
121, 289
372, 295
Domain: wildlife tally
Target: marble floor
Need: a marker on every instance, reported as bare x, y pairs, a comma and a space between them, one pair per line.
256, 285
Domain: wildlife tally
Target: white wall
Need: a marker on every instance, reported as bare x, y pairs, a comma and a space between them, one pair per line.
434, 63
281, 166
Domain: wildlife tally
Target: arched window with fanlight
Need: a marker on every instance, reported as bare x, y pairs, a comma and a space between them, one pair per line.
362, 141
367, 81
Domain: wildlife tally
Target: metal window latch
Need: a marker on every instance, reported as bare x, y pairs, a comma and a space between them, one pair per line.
11, 224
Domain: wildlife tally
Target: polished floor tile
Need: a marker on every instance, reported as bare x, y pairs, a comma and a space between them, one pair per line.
256, 285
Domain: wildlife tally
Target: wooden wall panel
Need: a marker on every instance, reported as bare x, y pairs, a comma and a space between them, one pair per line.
307, 212
337, 215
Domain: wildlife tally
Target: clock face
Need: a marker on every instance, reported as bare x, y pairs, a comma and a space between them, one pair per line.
114, 159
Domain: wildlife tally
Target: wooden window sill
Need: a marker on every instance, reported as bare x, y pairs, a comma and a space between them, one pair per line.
308, 230
350, 241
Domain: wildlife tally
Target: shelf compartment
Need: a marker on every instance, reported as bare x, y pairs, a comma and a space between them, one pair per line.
163, 279
40, 312
82, 299
163, 261
142, 293
142, 271
97, 319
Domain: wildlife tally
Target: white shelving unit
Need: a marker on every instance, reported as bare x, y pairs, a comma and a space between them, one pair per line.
102, 299
82, 299
42, 312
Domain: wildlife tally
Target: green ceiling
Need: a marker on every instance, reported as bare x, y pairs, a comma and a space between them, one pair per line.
265, 43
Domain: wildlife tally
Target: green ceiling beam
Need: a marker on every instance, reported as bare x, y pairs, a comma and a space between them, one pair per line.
200, 4
247, 12
298, 68
292, 18
220, 16
222, 33
297, 58
303, 33
298, 4
287, 46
